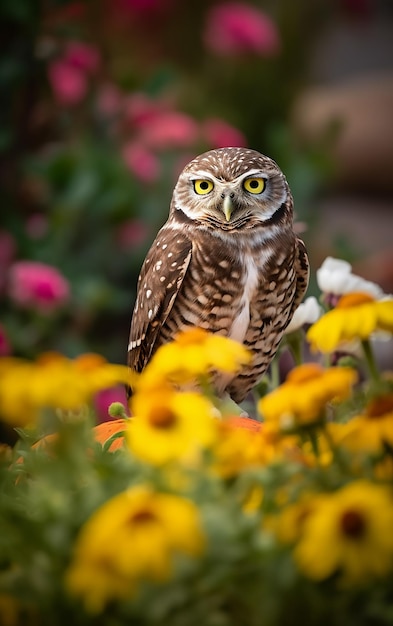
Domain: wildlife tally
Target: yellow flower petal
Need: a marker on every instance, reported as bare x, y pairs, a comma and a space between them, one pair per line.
132, 537
370, 431
53, 381
356, 316
348, 531
304, 394
194, 353
170, 425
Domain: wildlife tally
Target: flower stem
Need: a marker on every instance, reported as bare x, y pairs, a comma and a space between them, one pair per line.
314, 444
370, 360
295, 345
275, 372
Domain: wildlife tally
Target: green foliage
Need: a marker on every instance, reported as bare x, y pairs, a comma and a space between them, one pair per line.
244, 578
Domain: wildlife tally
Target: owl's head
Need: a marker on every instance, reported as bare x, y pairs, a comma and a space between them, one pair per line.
232, 189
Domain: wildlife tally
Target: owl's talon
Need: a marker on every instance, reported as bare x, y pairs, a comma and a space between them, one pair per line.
227, 406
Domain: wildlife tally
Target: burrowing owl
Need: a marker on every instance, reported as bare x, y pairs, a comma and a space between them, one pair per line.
227, 260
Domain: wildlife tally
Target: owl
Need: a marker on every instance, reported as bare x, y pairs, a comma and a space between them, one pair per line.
227, 260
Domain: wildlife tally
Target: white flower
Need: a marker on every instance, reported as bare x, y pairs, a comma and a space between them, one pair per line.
335, 277
307, 313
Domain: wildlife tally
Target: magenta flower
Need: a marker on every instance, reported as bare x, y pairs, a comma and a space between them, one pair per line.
68, 75
37, 286
141, 161
140, 110
220, 134
69, 84
170, 129
82, 56
235, 28
5, 347
104, 398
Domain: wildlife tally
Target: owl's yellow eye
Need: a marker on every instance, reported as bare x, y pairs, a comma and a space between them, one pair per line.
254, 185
203, 186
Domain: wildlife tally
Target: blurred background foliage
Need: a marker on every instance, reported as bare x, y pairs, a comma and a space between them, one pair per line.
102, 104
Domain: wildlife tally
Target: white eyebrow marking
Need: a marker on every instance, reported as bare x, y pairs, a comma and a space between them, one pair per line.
255, 172
202, 174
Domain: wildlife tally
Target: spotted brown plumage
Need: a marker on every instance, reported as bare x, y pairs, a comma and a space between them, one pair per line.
227, 260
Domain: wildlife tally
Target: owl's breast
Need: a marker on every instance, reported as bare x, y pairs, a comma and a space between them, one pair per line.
229, 289
248, 287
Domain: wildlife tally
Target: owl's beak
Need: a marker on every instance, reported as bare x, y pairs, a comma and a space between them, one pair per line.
227, 208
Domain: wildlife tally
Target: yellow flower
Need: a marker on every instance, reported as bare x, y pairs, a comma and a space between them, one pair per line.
302, 397
170, 425
383, 469
287, 525
98, 373
193, 354
328, 439
369, 431
348, 532
253, 500
356, 316
53, 381
16, 404
131, 538
238, 449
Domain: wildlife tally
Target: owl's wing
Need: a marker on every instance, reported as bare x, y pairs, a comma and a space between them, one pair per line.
302, 267
159, 282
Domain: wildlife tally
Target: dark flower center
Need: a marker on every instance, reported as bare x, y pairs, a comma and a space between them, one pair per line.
163, 417
142, 517
380, 407
353, 524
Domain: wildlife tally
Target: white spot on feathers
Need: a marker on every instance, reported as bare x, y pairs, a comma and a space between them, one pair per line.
240, 324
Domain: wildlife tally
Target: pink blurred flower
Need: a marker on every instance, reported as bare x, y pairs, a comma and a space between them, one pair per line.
69, 83
5, 347
219, 134
68, 75
37, 286
141, 161
170, 129
140, 110
131, 234
82, 56
234, 28
104, 398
